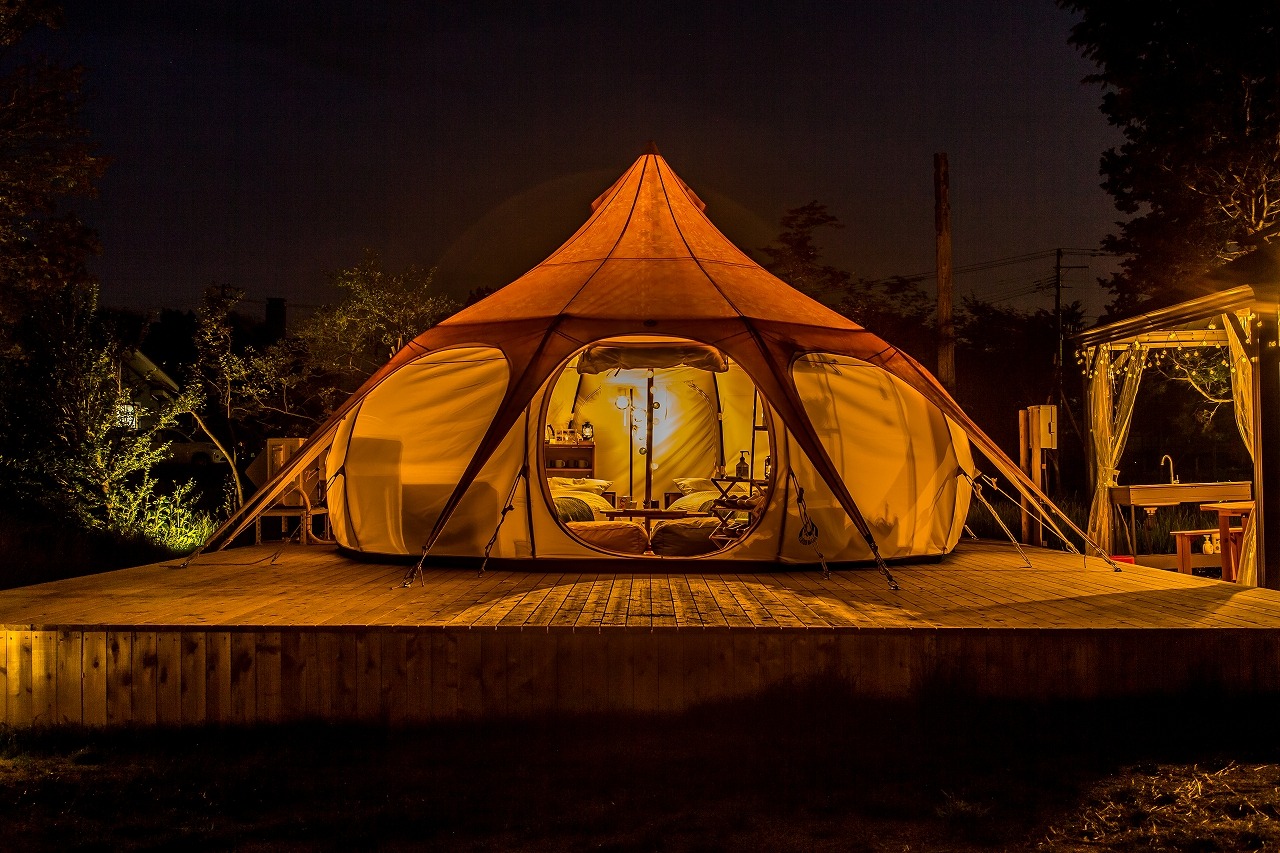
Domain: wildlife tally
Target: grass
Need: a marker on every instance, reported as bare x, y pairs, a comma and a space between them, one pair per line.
814, 770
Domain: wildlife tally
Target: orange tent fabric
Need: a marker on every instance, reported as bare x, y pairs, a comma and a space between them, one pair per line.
648, 261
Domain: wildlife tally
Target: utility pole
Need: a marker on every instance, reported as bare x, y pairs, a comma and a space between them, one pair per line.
942, 232
1058, 371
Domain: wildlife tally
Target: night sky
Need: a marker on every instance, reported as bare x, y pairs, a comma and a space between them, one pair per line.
260, 145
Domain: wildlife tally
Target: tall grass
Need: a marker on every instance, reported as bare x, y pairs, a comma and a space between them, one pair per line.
171, 521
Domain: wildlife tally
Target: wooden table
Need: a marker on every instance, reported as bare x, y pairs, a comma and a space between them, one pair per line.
1226, 511
650, 515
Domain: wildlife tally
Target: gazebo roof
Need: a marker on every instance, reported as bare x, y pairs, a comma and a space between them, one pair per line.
1250, 282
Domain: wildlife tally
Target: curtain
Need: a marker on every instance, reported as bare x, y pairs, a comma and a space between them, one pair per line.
1109, 419
1242, 397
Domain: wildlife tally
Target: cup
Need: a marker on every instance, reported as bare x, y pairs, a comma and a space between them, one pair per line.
559, 463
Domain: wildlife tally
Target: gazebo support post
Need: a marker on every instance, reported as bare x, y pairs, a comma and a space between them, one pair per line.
1266, 450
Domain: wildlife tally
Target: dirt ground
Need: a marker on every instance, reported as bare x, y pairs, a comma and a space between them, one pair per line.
806, 770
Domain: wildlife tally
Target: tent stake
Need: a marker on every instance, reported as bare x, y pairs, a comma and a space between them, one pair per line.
808, 535
506, 508
977, 492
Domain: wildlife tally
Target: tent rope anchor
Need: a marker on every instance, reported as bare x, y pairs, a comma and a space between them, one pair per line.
507, 507
808, 535
977, 493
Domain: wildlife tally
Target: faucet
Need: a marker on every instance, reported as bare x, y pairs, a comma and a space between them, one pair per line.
1169, 459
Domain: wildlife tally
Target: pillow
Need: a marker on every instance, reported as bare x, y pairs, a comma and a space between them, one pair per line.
696, 501
689, 485
580, 484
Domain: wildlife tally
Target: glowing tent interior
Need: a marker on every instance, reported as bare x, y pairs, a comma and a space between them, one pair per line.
685, 357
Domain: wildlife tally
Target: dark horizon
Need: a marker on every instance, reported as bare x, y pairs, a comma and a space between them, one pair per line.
257, 147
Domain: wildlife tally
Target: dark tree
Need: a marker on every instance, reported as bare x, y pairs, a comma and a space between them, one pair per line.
1195, 89
795, 253
47, 160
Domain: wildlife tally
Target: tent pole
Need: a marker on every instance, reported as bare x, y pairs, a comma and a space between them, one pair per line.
648, 438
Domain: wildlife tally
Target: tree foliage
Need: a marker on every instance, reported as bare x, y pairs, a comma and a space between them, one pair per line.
794, 255
239, 393
1195, 89
380, 311
47, 159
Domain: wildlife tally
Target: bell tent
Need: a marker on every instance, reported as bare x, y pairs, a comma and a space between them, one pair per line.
647, 392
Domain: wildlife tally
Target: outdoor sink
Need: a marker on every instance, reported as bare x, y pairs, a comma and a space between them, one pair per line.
1169, 494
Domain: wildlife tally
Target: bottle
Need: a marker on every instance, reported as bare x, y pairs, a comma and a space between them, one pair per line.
768, 467
744, 467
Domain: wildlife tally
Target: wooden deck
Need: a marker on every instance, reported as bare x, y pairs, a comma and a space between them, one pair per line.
274, 633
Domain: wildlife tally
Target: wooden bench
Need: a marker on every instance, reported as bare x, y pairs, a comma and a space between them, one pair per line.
1187, 538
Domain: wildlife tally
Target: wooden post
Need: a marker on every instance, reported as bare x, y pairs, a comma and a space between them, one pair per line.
942, 230
1266, 447
1031, 460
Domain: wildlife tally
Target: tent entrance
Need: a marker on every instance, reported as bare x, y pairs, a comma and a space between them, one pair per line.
643, 439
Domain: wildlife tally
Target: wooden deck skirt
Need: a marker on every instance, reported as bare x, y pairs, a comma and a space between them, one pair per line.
276, 633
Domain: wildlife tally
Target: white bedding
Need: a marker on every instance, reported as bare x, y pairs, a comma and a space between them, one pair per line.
597, 503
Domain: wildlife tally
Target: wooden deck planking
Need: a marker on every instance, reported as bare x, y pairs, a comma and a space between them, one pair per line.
292, 633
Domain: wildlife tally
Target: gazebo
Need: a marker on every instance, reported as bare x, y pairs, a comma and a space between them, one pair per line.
1239, 310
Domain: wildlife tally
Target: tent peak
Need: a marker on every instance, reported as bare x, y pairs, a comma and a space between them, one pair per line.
652, 148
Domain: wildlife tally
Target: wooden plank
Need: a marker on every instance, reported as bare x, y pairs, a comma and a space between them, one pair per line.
267, 662
570, 693
615, 613
697, 663
146, 667
119, 677
328, 649
218, 665
444, 674
93, 667
595, 671
640, 605
70, 680
596, 604
169, 678
310, 671
346, 677
293, 669
19, 666
418, 677
191, 676
683, 606
493, 670
644, 672
669, 646
620, 675
395, 676
663, 602
470, 674
44, 677
747, 674
244, 676
369, 679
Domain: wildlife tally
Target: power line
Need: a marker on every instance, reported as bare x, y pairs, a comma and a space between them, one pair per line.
982, 266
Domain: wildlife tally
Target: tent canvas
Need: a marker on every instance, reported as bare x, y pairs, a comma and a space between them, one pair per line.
425, 457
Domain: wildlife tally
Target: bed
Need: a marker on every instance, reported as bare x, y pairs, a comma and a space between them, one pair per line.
582, 511
579, 505
622, 537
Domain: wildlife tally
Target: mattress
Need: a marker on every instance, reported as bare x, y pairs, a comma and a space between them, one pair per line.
622, 537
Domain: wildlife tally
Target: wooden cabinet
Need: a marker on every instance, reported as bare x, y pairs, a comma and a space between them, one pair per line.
569, 460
